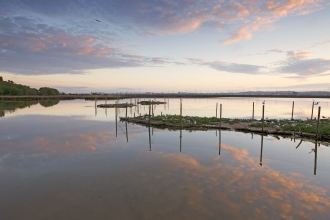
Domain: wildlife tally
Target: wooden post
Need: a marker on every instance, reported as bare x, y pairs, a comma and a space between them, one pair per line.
220, 116
106, 109
263, 115
318, 122
152, 108
126, 110
149, 114
116, 116
216, 110
134, 114
312, 111
181, 112
253, 111
95, 107
292, 111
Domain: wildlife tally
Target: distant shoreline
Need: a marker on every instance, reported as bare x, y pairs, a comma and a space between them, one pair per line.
154, 95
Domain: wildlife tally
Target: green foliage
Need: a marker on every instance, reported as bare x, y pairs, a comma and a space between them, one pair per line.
308, 126
1, 79
11, 91
31, 92
48, 91
10, 88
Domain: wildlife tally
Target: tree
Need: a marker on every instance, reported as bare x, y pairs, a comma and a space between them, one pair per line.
1, 79
48, 91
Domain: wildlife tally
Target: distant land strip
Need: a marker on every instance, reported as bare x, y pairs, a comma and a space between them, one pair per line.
160, 95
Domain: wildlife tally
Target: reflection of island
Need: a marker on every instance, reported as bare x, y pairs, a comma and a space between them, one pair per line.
49, 103
12, 106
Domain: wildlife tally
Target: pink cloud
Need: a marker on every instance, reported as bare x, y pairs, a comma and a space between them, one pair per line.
242, 33
299, 55
260, 16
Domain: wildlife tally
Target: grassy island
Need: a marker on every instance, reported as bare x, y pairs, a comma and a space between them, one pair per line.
151, 102
299, 128
118, 105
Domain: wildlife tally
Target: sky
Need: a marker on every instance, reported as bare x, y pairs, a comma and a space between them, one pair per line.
83, 46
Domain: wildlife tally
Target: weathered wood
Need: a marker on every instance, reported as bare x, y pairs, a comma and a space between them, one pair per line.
318, 122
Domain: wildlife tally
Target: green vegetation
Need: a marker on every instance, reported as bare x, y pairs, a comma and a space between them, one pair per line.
174, 119
308, 126
151, 103
11, 88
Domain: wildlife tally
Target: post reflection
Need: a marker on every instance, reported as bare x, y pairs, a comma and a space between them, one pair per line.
116, 112
126, 131
106, 112
315, 157
149, 138
180, 139
261, 148
219, 141
299, 144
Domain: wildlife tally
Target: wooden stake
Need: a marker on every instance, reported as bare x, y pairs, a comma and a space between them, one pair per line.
292, 111
253, 111
149, 114
181, 112
318, 122
263, 115
220, 115
216, 110
126, 109
312, 111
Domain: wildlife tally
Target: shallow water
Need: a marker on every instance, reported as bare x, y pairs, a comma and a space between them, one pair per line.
71, 161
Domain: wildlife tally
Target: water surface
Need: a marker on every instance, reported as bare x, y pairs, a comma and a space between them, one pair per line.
71, 161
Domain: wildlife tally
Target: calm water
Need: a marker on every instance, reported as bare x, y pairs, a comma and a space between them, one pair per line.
68, 160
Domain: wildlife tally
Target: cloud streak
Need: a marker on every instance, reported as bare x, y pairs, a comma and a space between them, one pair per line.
309, 67
299, 55
229, 67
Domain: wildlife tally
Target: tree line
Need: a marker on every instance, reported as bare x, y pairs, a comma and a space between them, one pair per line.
11, 88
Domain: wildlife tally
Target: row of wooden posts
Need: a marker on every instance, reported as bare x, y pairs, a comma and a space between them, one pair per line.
263, 115
220, 114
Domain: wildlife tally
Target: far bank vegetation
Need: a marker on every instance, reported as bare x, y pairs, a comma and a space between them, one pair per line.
11, 88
